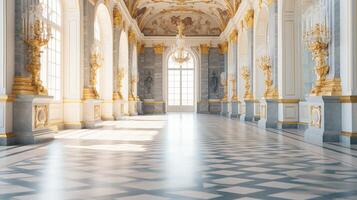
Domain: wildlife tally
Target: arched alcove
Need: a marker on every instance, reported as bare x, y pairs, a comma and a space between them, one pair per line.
196, 67
72, 79
243, 61
124, 65
105, 39
260, 49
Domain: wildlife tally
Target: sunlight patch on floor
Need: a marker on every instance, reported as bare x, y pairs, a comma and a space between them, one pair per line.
111, 135
117, 147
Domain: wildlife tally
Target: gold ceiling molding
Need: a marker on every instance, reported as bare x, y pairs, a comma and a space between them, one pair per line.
223, 47
204, 48
249, 18
159, 49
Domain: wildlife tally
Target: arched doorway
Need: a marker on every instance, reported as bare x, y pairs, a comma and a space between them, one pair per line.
104, 36
181, 84
124, 65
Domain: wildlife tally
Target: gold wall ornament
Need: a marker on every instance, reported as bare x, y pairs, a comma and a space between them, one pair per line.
204, 48
315, 116
234, 90
133, 83
317, 40
233, 35
224, 83
249, 18
223, 47
246, 77
117, 17
120, 77
159, 49
40, 116
96, 61
37, 39
270, 91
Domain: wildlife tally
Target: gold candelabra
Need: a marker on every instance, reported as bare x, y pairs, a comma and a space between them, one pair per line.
270, 91
36, 35
96, 61
234, 88
224, 83
317, 40
246, 77
133, 82
120, 76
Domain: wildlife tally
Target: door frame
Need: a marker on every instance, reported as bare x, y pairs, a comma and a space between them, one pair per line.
167, 53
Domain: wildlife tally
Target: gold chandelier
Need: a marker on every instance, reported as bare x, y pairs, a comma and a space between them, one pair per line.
180, 55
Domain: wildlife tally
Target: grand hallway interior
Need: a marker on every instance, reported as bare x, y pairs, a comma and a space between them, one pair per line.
177, 156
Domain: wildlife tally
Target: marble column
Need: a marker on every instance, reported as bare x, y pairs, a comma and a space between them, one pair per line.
203, 104
72, 68
348, 65
7, 64
233, 77
289, 80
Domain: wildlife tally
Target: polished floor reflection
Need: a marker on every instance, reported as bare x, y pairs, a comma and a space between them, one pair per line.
177, 156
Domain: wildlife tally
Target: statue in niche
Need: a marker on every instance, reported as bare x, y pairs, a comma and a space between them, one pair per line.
148, 83
213, 82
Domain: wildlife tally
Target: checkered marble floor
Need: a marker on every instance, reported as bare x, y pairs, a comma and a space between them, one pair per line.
176, 156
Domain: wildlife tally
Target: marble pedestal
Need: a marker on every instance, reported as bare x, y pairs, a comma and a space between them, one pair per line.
214, 106
118, 109
268, 113
235, 109
31, 119
224, 108
247, 110
325, 120
92, 113
150, 106
132, 108
203, 106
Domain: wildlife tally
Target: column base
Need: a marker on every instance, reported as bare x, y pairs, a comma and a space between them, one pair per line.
7, 140
287, 125
325, 115
214, 106
203, 107
268, 113
235, 111
224, 109
247, 111
35, 137
348, 139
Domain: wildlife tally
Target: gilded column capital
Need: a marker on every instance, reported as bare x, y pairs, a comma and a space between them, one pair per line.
223, 47
204, 48
132, 37
159, 48
140, 47
117, 17
249, 18
233, 35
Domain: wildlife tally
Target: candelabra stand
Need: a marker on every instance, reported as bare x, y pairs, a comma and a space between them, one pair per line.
270, 91
246, 77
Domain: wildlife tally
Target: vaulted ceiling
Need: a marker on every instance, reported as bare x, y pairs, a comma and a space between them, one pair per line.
201, 17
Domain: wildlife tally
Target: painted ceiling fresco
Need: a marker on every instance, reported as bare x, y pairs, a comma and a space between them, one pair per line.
201, 17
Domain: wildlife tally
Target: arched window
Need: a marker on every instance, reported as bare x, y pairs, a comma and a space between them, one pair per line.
51, 60
181, 84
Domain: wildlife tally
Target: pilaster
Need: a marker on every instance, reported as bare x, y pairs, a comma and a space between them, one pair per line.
7, 68
289, 80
